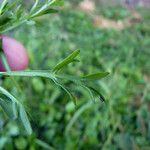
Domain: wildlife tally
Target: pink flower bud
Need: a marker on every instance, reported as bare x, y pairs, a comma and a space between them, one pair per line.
15, 54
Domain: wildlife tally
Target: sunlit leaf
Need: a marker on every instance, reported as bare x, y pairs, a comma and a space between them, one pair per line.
3, 5
58, 3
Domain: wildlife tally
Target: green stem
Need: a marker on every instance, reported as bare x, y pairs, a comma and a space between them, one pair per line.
8, 69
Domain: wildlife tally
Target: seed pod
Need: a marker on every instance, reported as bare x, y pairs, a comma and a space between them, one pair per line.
15, 54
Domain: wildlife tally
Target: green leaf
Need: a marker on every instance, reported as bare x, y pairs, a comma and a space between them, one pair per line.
44, 12
101, 97
34, 6
43, 144
18, 11
9, 99
95, 76
24, 119
89, 91
7, 94
4, 61
4, 19
58, 3
66, 61
9, 108
11, 5
72, 97
22, 114
3, 5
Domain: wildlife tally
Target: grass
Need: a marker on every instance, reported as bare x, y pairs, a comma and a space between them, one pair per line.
120, 123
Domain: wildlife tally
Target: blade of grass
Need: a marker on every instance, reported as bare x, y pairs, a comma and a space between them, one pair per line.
76, 115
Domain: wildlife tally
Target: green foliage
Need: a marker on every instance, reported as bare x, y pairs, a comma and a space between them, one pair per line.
115, 124
13, 14
116, 12
122, 122
10, 108
14, 107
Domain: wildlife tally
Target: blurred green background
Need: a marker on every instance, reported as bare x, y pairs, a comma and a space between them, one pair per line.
113, 38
